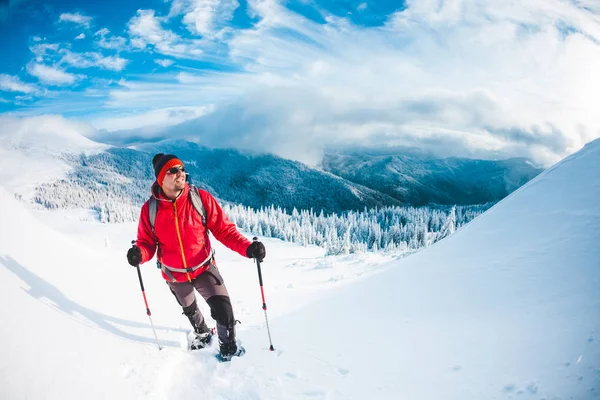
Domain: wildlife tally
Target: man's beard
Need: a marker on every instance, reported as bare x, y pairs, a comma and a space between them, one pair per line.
180, 186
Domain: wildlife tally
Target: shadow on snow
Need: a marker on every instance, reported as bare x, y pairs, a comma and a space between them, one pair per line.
40, 288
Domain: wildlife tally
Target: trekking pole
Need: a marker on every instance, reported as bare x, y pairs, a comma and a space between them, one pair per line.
262, 292
145, 300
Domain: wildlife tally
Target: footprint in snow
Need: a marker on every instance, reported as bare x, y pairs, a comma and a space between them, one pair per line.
324, 265
509, 388
532, 388
293, 374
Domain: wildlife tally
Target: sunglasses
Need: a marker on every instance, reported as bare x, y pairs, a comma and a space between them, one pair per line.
175, 170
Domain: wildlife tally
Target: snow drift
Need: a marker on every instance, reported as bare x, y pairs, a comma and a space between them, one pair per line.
508, 305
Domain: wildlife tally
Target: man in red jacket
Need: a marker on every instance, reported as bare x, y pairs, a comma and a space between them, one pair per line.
185, 255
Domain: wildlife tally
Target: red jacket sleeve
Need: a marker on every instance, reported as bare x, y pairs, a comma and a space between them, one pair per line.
146, 240
221, 227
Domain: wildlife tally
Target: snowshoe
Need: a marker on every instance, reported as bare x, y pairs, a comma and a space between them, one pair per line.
230, 350
202, 340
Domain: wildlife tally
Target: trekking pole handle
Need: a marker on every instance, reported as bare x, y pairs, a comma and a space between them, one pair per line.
255, 239
133, 243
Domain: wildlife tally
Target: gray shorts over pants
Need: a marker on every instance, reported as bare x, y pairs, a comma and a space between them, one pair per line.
212, 288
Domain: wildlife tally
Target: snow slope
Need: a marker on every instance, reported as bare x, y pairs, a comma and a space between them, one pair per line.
31, 149
508, 307
72, 311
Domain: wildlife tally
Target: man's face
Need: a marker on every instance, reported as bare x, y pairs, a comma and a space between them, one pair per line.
174, 179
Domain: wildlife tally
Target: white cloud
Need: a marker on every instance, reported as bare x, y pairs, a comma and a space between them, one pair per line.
80, 36
76, 18
37, 39
164, 62
466, 78
11, 83
22, 100
113, 43
43, 49
150, 121
51, 75
59, 55
204, 17
110, 42
463, 77
94, 59
146, 29
138, 43
362, 7
113, 63
102, 32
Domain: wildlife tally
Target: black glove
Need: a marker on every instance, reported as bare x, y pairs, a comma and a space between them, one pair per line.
256, 250
134, 256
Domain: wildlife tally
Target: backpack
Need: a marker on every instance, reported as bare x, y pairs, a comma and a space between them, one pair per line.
194, 197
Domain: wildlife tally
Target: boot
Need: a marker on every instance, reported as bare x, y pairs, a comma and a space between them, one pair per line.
230, 350
203, 337
228, 346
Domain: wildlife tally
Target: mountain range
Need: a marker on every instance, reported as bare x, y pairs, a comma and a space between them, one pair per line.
345, 181
263, 180
417, 178
350, 180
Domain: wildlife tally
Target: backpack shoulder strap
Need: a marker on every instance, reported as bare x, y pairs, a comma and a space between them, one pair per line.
152, 209
197, 202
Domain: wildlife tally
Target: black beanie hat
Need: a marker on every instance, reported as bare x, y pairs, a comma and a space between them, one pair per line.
160, 160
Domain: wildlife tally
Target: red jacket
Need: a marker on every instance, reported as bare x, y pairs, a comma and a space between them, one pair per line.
190, 241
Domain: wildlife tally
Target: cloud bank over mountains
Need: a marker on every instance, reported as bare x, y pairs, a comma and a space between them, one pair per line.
492, 79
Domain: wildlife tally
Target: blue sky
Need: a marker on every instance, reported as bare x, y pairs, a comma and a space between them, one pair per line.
70, 47
489, 79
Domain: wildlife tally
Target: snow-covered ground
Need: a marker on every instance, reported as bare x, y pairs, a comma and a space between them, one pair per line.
507, 307
30, 150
